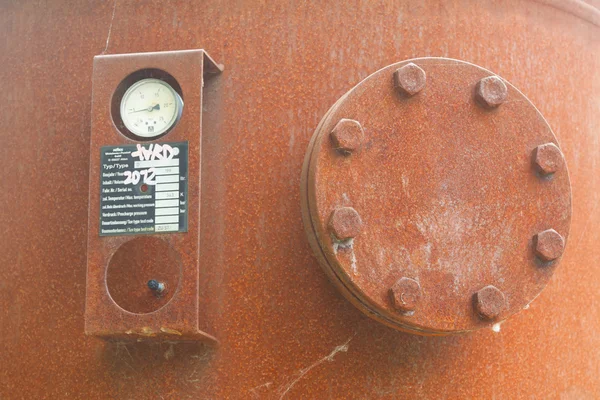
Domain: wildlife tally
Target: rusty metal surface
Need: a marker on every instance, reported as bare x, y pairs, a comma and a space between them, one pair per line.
284, 330
445, 191
115, 303
132, 266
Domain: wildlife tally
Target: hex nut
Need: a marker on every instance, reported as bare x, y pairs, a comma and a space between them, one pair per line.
491, 91
409, 79
345, 223
549, 245
347, 136
489, 302
547, 158
405, 294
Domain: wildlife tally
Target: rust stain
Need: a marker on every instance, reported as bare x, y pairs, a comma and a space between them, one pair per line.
453, 160
171, 331
262, 290
119, 267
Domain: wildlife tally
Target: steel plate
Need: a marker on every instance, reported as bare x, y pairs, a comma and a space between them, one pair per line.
426, 200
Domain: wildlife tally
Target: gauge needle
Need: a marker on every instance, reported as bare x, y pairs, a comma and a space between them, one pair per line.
154, 107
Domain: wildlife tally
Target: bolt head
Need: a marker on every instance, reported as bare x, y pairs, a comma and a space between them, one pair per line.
345, 223
347, 136
489, 302
491, 91
405, 294
409, 79
549, 245
547, 158
156, 286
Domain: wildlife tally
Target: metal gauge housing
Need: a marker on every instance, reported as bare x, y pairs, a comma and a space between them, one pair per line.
150, 107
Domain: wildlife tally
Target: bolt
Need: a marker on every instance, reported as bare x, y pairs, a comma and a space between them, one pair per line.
548, 245
345, 223
547, 158
405, 294
491, 91
347, 136
409, 79
489, 302
156, 286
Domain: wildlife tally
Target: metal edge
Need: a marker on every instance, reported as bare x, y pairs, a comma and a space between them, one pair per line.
576, 8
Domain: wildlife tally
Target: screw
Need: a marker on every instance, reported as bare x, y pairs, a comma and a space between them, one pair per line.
489, 302
347, 136
491, 91
345, 223
548, 245
156, 286
409, 79
547, 158
405, 294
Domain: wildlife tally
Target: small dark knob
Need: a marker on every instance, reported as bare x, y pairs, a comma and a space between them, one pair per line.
156, 286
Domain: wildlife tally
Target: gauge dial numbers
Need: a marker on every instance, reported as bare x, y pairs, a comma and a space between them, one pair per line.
150, 107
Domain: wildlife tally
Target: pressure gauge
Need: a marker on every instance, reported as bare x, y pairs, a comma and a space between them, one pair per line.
150, 107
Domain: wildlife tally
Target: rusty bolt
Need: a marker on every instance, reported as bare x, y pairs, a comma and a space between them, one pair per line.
345, 223
409, 79
547, 158
489, 302
156, 286
491, 91
549, 245
347, 136
405, 294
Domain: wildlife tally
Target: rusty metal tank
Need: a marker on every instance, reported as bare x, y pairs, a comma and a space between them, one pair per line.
389, 200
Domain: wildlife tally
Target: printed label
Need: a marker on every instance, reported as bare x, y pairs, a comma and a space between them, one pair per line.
143, 189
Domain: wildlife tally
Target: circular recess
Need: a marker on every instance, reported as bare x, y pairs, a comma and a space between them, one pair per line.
449, 222
147, 104
134, 265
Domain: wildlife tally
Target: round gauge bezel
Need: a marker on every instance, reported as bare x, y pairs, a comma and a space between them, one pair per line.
133, 81
176, 115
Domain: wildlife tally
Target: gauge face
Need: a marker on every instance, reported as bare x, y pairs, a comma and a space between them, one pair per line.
150, 107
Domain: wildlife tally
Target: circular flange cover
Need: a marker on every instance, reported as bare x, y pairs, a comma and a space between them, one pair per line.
436, 197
